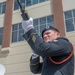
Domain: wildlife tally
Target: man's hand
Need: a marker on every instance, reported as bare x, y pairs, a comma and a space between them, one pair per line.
27, 24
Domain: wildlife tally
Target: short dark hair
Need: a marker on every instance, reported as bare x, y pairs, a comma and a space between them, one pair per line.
49, 28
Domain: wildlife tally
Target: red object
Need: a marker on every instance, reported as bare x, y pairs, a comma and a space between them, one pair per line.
63, 61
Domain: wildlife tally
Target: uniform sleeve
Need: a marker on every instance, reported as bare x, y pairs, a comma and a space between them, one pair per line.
55, 48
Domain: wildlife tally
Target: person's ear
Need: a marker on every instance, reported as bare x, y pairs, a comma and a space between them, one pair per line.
58, 34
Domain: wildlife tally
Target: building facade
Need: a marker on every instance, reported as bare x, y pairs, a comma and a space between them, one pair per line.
14, 51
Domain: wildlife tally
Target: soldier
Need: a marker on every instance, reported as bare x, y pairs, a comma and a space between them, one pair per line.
57, 52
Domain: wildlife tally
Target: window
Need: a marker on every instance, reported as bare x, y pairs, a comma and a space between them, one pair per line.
69, 25
50, 19
35, 1
17, 33
22, 1
27, 3
70, 20
2, 7
1, 34
39, 24
16, 6
74, 13
41, 0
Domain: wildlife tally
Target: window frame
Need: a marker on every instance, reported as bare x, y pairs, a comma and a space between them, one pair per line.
65, 19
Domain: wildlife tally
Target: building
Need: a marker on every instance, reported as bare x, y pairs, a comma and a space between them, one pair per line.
14, 50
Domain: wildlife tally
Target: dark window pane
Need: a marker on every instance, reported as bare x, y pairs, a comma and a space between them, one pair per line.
14, 37
69, 25
41, 28
68, 14
37, 30
50, 19
0, 9
35, 22
0, 39
28, 2
41, 0
50, 24
21, 35
22, 1
1, 30
20, 26
74, 22
16, 6
1, 34
74, 13
43, 20
35, 1
4, 8
15, 27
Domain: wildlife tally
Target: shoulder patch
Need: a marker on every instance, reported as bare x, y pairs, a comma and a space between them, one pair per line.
33, 38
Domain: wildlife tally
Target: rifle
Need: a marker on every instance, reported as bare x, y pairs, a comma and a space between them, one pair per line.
24, 14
